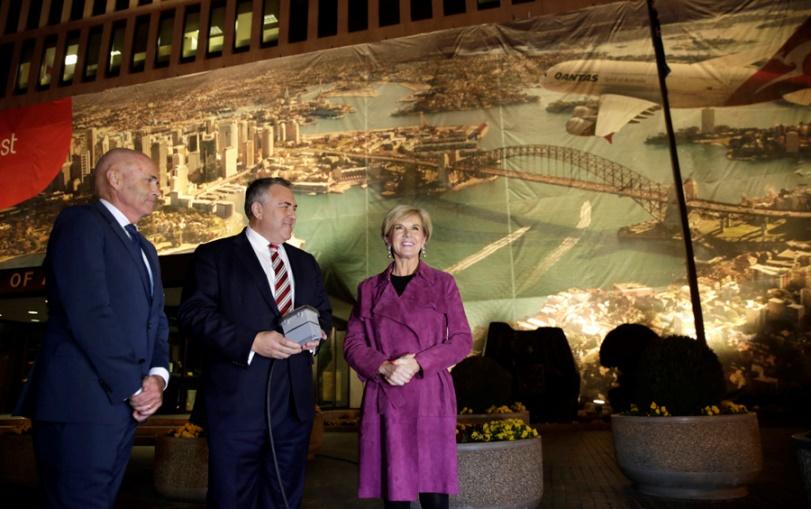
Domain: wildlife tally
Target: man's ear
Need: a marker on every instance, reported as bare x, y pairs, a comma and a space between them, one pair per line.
256, 210
113, 177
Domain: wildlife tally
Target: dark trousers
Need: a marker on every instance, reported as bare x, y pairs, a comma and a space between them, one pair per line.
81, 465
241, 472
427, 501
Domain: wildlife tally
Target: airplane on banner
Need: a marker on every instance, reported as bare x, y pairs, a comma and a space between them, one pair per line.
629, 91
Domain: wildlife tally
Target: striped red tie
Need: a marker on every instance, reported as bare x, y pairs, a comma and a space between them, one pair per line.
284, 300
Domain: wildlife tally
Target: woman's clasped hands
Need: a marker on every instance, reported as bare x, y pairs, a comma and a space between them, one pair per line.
401, 370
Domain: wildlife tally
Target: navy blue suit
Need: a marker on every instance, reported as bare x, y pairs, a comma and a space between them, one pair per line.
226, 305
106, 329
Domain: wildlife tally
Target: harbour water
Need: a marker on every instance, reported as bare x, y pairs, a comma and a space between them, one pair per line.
343, 229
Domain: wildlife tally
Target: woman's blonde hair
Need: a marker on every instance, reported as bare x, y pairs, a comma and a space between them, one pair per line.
400, 211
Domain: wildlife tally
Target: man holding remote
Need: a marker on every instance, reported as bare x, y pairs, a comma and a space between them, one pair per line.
240, 289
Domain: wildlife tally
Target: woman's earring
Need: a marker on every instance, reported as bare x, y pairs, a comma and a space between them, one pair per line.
388, 251
424, 251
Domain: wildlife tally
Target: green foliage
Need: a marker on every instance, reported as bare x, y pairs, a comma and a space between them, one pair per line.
678, 373
480, 382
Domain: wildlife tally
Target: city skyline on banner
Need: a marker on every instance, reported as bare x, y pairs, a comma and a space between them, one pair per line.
540, 225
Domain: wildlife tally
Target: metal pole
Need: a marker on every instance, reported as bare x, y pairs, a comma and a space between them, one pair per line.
663, 70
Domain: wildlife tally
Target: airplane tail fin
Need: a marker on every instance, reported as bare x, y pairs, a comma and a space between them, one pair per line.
787, 72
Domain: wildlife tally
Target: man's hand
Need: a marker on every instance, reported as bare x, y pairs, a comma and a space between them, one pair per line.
149, 399
313, 345
274, 345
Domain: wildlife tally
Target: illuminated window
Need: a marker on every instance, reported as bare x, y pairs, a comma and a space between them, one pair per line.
24, 67
389, 12
46, 62
6, 51
115, 54
242, 25
139, 39
358, 15
166, 30
71, 58
55, 14
91, 57
270, 23
297, 28
216, 28
191, 31
327, 18
450, 7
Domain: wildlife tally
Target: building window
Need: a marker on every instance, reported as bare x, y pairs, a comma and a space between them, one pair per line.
522, 1
389, 13
191, 31
55, 14
420, 9
242, 25
6, 52
99, 6
140, 36
122, 5
46, 62
327, 18
71, 57
216, 28
34, 12
13, 16
358, 15
76, 10
297, 28
166, 31
115, 53
270, 23
91, 57
488, 4
24, 66
450, 7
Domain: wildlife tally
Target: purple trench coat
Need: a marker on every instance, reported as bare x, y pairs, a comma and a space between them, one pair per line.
408, 433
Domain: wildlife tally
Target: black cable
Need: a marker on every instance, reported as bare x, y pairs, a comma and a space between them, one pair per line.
270, 435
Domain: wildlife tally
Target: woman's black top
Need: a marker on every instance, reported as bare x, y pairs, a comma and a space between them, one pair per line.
400, 282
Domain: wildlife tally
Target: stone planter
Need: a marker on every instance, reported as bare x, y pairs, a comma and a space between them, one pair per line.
482, 418
802, 444
181, 468
504, 475
18, 464
701, 457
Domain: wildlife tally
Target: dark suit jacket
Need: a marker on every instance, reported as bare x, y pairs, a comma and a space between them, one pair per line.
104, 329
226, 304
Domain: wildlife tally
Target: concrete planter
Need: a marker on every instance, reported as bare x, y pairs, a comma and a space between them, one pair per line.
18, 464
802, 445
701, 457
181, 468
504, 475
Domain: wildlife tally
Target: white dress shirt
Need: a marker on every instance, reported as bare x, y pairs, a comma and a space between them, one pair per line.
261, 247
123, 221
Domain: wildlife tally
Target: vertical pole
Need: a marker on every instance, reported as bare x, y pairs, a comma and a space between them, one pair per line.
663, 71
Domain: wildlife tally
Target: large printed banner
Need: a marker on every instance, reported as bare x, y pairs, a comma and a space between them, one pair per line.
537, 147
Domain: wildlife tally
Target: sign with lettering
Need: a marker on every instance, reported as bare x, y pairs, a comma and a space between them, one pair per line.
22, 282
34, 144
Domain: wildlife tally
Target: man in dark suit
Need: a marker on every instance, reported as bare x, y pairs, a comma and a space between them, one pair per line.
241, 288
103, 363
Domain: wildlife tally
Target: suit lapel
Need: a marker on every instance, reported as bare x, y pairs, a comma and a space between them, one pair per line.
119, 232
247, 257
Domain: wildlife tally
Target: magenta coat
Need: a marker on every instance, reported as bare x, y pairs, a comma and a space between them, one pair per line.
407, 433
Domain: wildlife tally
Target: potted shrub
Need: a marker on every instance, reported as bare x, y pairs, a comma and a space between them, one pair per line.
500, 465
676, 438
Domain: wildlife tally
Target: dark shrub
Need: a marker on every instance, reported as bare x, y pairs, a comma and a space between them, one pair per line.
679, 373
481, 382
621, 349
